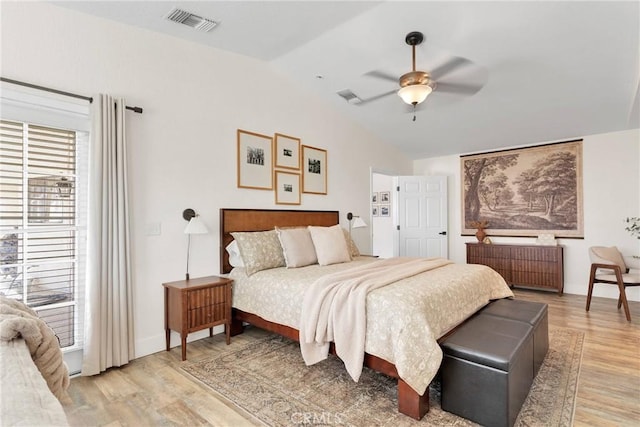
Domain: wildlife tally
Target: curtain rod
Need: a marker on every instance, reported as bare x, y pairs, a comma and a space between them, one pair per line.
61, 92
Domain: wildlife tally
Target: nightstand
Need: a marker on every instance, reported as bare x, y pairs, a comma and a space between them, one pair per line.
196, 304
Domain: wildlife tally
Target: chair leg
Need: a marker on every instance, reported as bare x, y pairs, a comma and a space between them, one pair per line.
623, 294
623, 297
592, 277
619, 302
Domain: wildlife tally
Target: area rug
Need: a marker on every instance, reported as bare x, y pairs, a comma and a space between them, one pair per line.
269, 381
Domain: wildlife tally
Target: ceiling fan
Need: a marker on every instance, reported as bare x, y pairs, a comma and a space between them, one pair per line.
416, 85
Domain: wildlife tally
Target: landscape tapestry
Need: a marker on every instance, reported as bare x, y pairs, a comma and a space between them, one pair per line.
524, 192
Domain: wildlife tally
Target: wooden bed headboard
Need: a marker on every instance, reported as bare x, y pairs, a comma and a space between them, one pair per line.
232, 220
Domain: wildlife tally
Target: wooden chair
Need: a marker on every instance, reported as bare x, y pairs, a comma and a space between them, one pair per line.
608, 266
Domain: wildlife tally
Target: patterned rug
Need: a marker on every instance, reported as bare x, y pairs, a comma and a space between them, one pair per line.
267, 378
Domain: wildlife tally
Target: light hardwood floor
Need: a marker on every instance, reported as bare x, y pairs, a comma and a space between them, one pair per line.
153, 390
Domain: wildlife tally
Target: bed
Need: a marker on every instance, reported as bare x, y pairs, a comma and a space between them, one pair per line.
394, 352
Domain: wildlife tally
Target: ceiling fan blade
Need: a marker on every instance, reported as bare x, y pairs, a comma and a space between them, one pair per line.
383, 75
448, 67
376, 97
458, 89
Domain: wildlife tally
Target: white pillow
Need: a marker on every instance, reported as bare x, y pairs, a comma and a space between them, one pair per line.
330, 244
235, 259
297, 247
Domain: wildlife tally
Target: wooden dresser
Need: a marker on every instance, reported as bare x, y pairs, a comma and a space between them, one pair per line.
531, 266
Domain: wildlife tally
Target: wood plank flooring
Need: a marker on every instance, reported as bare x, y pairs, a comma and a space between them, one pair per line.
153, 390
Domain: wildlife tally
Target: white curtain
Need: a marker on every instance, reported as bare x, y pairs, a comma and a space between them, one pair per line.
109, 297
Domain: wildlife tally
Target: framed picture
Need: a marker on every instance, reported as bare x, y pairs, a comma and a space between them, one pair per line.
374, 210
314, 170
287, 151
384, 210
524, 192
255, 160
287, 188
385, 197
374, 197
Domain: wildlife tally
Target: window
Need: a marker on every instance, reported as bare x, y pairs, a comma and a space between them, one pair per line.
41, 222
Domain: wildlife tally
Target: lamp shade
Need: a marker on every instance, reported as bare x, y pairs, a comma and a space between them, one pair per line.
414, 94
358, 223
196, 226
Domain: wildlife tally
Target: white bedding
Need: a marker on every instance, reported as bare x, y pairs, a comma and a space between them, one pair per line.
404, 319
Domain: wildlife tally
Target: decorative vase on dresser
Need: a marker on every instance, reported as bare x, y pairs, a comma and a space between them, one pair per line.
480, 225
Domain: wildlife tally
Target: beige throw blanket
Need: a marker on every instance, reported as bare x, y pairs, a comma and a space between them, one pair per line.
18, 320
334, 308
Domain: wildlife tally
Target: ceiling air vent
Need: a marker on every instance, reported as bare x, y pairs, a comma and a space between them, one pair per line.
189, 19
349, 96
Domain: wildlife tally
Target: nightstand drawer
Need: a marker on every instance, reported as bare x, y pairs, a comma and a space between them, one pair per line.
205, 315
206, 297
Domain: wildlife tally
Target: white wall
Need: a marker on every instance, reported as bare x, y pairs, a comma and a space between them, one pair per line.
182, 150
611, 189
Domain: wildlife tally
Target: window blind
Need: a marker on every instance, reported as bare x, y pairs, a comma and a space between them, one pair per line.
38, 243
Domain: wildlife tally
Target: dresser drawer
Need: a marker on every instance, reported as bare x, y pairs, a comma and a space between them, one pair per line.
522, 265
488, 251
206, 297
201, 316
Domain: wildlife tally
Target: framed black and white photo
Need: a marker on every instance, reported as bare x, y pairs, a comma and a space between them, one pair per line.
374, 210
314, 170
287, 151
287, 188
384, 210
385, 197
374, 197
255, 160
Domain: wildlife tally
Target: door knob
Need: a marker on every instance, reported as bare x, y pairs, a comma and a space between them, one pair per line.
443, 233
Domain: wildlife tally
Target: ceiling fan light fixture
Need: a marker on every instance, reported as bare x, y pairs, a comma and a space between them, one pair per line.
414, 94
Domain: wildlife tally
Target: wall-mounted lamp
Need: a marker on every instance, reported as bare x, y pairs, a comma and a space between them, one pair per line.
195, 226
65, 187
357, 222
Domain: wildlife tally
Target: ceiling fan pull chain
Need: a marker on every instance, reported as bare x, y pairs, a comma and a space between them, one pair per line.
414, 112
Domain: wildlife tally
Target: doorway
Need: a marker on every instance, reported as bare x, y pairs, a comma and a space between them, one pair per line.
384, 239
408, 215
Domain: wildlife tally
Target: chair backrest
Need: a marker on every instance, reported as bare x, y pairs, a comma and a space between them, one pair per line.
606, 255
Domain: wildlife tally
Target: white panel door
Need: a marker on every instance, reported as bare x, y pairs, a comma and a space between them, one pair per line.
422, 216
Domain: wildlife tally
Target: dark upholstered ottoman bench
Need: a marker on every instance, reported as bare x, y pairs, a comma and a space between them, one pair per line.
487, 370
535, 314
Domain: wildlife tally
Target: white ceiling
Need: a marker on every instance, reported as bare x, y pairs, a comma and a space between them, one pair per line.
549, 71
